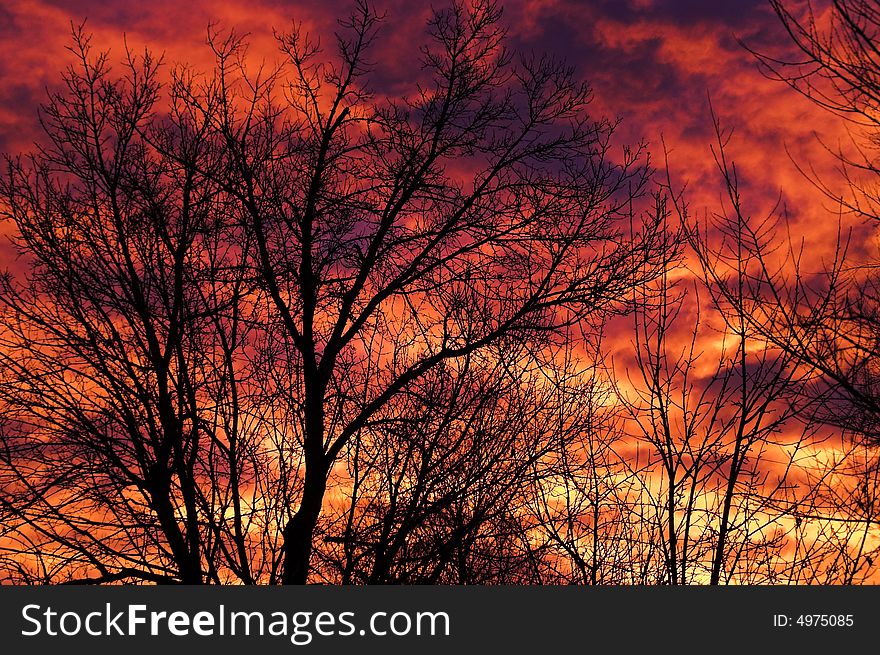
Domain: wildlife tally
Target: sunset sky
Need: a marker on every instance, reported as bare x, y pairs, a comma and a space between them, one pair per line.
655, 65
652, 63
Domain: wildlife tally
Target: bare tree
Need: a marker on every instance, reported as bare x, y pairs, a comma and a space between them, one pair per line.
586, 489
229, 285
793, 363
759, 402
826, 314
381, 258
126, 453
437, 478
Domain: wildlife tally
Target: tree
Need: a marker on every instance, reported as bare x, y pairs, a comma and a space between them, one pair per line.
234, 276
438, 481
751, 418
828, 316
585, 490
395, 235
126, 453
801, 354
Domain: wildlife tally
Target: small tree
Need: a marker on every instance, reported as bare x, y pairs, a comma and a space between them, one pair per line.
827, 315
125, 454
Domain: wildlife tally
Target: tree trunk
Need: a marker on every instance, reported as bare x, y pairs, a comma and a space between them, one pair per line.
299, 531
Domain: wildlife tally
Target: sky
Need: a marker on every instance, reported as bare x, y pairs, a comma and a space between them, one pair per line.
652, 63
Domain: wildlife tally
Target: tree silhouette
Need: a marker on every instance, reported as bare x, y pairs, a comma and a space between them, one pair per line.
380, 258
828, 318
117, 342
288, 237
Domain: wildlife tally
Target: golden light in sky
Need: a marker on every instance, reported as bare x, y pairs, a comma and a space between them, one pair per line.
371, 348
